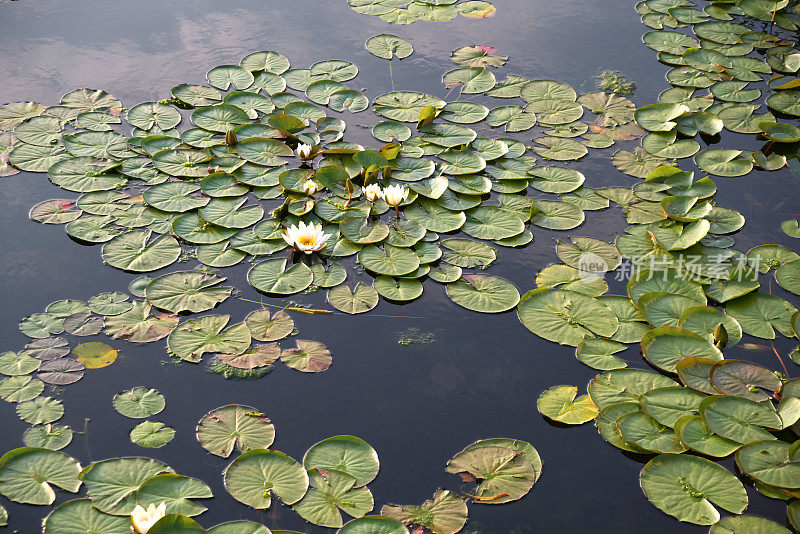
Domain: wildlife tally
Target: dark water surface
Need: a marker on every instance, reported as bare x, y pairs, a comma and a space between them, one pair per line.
416, 405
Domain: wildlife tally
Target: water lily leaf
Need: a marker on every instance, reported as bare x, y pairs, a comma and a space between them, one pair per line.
389, 130
390, 260
641, 430
331, 491
590, 255
193, 338
503, 474
264, 327
667, 405
483, 293
694, 433
760, 314
374, 524
15, 364
196, 95
559, 404
175, 491
348, 454
738, 419
78, 515
398, 289
272, 276
223, 76
176, 523
95, 355
139, 325
468, 253
788, 276
565, 317
243, 527
688, 487
724, 162
112, 484
748, 523
40, 410
387, 46
556, 215
61, 371
191, 291
445, 514
234, 425
20, 388
665, 346
308, 357
735, 377
556, 179
624, 385
152, 434
639, 163
149, 114
404, 106
599, 354
783, 102
28, 474
769, 462
362, 298
139, 402
133, 251
254, 476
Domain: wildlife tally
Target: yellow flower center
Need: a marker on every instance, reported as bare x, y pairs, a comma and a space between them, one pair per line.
306, 240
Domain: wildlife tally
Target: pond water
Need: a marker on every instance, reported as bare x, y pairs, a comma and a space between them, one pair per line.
417, 405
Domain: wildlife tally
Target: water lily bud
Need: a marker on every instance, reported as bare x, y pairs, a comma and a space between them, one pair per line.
373, 192
230, 138
309, 187
304, 151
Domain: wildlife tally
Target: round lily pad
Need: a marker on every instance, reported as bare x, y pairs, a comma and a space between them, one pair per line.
139, 402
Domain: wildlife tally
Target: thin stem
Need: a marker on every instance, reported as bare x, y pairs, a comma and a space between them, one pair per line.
779, 359
391, 76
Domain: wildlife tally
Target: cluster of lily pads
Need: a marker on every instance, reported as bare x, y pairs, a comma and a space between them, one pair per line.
690, 294
163, 195
408, 11
738, 66
150, 196
331, 479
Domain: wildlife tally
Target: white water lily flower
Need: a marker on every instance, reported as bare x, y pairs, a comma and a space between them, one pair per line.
309, 187
394, 195
306, 238
304, 151
142, 520
373, 192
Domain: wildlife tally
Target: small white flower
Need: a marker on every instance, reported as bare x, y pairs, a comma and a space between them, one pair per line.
394, 195
309, 187
142, 520
373, 192
306, 238
304, 151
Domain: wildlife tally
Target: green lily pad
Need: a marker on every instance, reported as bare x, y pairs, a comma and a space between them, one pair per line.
445, 514
139, 402
565, 317
272, 276
559, 404
253, 477
331, 491
78, 515
688, 487
193, 338
152, 434
483, 293
191, 291
28, 474
234, 425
